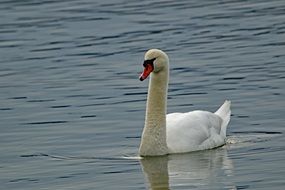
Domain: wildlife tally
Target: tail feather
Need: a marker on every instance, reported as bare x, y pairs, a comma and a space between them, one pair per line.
225, 113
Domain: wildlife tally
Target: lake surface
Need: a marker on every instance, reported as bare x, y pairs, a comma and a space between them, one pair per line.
72, 107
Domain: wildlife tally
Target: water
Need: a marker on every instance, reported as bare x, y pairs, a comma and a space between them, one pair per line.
72, 107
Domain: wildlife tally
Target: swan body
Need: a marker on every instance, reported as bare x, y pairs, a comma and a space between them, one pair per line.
176, 132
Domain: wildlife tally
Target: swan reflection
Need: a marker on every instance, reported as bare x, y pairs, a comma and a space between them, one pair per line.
196, 169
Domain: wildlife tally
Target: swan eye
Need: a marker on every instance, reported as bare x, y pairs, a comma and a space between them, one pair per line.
149, 61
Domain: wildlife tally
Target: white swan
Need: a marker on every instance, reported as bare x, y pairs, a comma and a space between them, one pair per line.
176, 132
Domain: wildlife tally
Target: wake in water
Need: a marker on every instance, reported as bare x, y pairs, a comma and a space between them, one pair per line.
238, 140
243, 139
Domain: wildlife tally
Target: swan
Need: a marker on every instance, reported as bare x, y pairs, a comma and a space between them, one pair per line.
176, 132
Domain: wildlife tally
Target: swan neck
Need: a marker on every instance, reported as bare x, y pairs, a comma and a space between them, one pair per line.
157, 98
153, 140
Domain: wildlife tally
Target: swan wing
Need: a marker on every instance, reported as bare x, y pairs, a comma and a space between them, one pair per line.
191, 131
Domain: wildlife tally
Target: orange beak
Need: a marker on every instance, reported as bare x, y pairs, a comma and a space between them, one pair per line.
148, 68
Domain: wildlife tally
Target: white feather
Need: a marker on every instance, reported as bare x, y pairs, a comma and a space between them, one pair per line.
197, 130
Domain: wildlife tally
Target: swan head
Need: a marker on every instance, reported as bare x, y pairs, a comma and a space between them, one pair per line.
155, 61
